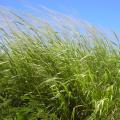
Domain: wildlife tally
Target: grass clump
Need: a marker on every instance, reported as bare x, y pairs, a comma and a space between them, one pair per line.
46, 76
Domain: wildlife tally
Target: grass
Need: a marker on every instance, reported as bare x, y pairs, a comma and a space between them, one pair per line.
44, 75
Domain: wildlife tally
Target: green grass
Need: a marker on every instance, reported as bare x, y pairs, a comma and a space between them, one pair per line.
45, 75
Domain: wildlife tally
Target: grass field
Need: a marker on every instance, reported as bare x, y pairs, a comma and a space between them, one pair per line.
47, 74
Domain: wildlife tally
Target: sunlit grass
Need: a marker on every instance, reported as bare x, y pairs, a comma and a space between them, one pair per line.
63, 75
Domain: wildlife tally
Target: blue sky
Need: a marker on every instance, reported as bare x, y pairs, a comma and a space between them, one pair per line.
105, 13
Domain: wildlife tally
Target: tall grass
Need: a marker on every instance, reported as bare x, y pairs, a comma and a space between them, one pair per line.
63, 75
